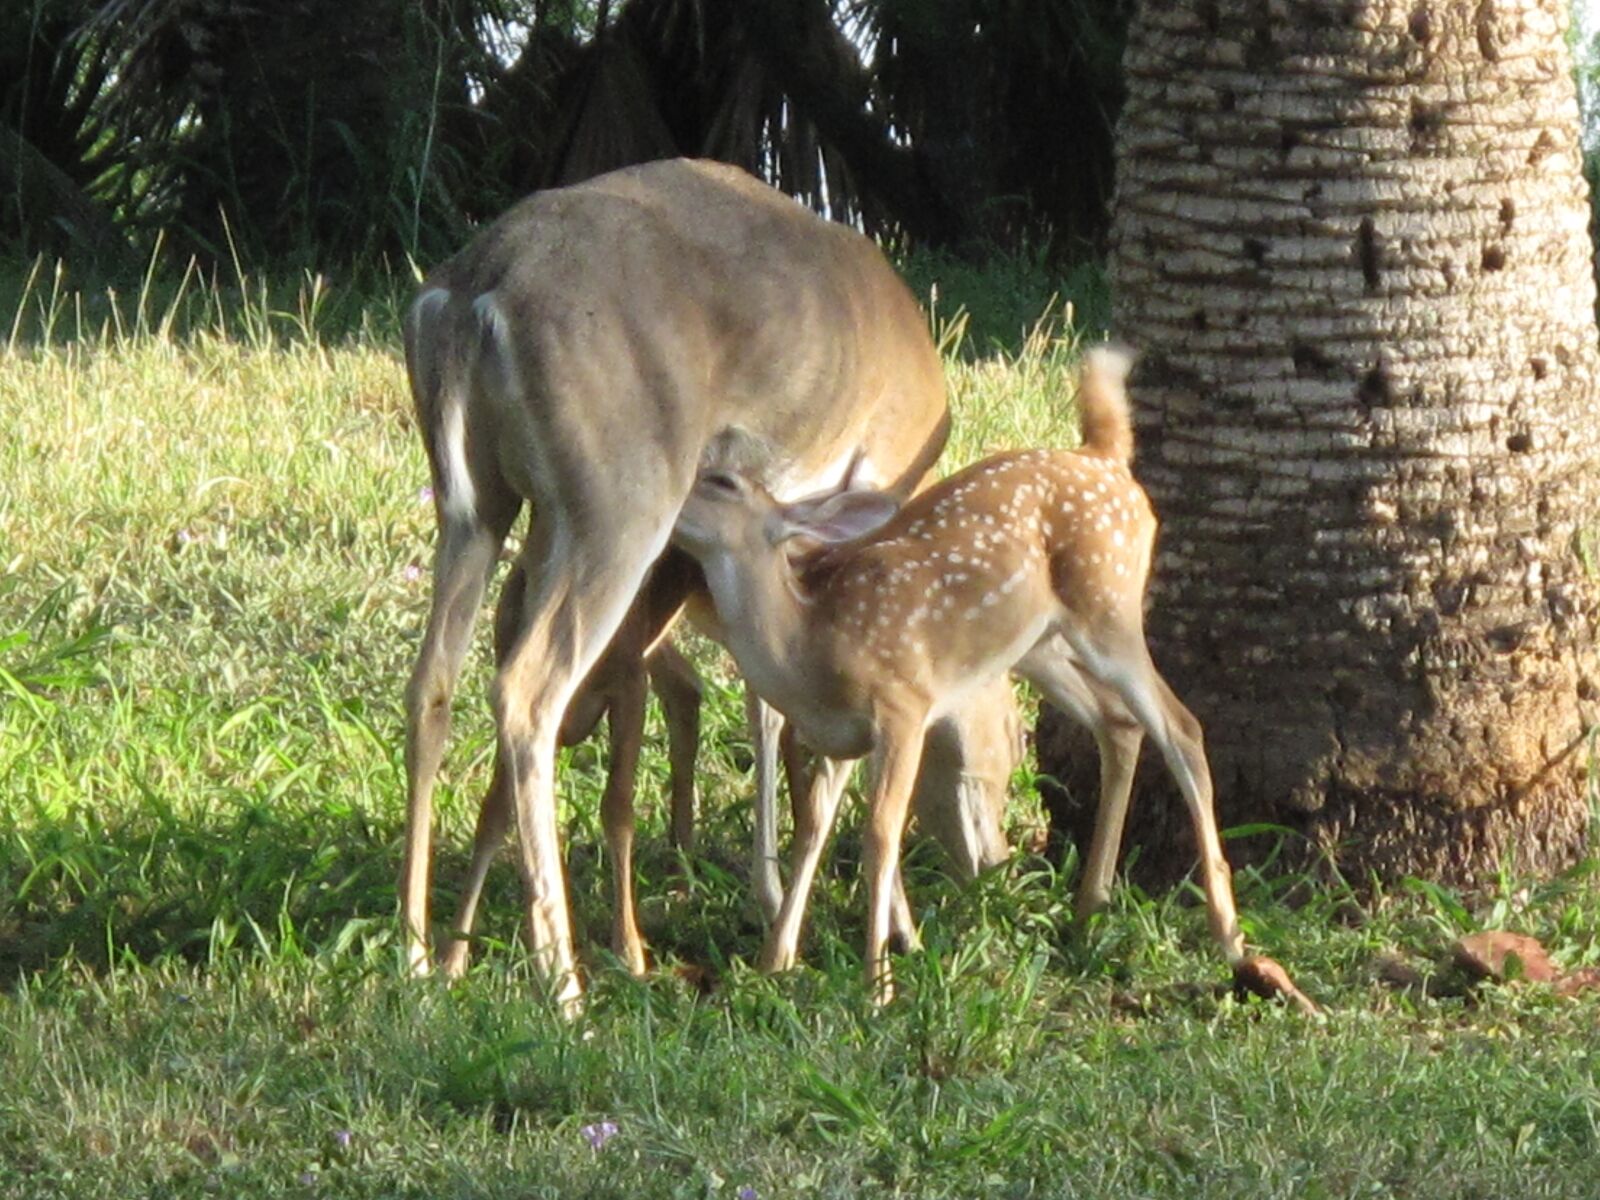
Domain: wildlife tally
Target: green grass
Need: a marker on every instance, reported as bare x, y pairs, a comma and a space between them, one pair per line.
210, 535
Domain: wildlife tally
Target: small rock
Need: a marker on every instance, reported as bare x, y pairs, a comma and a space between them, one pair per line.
701, 979
1395, 971
1261, 976
1128, 1004
1496, 954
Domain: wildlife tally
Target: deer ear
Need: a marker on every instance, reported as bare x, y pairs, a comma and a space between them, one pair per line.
841, 517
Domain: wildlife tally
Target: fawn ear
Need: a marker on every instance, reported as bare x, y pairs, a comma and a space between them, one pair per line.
840, 517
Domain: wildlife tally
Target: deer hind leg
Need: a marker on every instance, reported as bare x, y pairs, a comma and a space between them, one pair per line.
494, 814
1118, 737
1125, 666
585, 562
814, 818
622, 674
609, 688
467, 550
494, 819
904, 937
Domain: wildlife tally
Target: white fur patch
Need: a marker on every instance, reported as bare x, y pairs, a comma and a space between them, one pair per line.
426, 344
425, 306
460, 499
487, 309
852, 470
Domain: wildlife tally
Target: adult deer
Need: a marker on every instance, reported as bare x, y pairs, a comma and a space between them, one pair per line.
578, 356
1033, 563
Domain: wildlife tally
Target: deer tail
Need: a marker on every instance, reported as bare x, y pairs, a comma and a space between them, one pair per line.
1103, 412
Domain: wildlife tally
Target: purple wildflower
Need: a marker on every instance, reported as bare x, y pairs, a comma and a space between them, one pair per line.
342, 1138
598, 1134
424, 494
749, 1193
411, 572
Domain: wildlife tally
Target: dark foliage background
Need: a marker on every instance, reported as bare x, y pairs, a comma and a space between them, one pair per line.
303, 132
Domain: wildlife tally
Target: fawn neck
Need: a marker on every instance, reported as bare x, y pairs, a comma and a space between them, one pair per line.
773, 636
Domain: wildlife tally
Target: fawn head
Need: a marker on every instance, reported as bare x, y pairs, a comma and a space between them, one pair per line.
731, 514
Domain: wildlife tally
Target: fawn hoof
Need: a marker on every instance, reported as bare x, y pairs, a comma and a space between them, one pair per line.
880, 984
768, 893
1258, 975
633, 957
569, 997
775, 958
904, 941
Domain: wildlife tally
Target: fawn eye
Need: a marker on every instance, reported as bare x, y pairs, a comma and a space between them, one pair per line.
719, 481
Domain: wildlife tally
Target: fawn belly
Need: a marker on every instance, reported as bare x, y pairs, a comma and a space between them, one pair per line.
968, 663
834, 733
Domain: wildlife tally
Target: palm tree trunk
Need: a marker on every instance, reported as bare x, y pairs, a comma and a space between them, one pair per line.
1351, 240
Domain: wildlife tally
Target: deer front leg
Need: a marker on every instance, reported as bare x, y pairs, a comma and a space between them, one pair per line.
898, 760
813, 823
766, 727
616, 815
678, 686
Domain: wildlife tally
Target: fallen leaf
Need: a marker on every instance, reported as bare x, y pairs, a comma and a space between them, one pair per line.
1583, 980
1261, 976
1496, 954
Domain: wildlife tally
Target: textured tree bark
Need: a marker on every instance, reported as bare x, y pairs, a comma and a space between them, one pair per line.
1350, 239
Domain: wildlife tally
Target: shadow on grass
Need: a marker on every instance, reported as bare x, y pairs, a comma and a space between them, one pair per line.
153, 884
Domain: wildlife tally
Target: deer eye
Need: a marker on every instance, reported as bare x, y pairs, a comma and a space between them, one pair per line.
721, 481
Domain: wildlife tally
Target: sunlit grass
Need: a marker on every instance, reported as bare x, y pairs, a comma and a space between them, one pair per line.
211, 529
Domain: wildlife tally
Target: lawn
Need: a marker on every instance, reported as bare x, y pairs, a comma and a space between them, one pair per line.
213, 549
